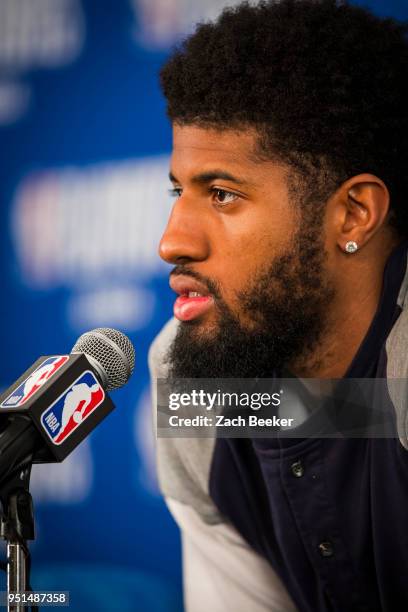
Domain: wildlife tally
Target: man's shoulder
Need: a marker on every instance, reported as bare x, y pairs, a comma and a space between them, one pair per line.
183, 464
397, 373
159, 348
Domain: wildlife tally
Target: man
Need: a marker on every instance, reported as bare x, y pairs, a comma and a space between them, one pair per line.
287, 238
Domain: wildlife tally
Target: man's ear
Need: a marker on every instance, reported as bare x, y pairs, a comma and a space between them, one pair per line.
360, 208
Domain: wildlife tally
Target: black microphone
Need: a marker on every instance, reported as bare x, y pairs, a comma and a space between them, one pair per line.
57, 402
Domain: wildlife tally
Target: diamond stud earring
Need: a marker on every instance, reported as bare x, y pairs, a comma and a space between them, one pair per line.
351, 246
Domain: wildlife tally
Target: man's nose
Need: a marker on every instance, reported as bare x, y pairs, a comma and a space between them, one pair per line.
184, 239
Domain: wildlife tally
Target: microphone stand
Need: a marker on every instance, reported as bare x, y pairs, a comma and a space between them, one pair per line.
16, 527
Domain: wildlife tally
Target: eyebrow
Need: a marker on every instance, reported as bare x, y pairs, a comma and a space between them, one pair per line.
211, 175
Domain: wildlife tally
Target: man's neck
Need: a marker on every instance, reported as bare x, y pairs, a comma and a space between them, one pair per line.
347, 324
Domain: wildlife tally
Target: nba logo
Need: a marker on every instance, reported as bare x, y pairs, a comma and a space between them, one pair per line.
65, 415
34, 382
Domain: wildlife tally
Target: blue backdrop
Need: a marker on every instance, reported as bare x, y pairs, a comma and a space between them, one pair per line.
83, 201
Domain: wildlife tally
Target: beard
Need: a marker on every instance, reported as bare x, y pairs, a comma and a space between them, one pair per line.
287, 303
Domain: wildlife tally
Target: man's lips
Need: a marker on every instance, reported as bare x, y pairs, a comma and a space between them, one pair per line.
194, 299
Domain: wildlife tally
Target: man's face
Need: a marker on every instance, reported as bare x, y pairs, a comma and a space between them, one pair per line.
252, 290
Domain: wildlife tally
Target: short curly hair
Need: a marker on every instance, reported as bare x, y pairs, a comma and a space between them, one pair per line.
324, 83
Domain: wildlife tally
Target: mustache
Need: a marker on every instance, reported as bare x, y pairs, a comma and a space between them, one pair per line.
212, 286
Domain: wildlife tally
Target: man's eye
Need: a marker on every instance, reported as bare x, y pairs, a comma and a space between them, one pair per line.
222, 197
175, 192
